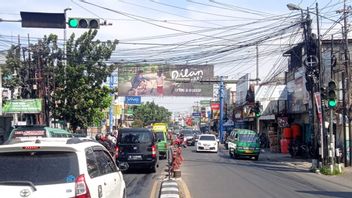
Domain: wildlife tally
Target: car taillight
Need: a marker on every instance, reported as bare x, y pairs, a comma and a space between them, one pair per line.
116, 152
81, 188
153, 151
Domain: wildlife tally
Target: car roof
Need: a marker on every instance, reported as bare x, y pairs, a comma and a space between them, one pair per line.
134, 130
244, 131
207, 135
49, 144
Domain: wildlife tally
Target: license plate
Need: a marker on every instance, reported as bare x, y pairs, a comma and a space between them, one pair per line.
135, 157
206, 147
248, 151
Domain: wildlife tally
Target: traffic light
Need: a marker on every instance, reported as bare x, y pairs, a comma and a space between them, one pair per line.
89, 23
332, 94
257, 110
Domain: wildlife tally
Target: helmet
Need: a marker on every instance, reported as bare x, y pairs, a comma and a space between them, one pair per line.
98, 136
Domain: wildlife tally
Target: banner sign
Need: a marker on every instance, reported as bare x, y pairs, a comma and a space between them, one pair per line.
165, 80
133, 100
215, 106
23, 106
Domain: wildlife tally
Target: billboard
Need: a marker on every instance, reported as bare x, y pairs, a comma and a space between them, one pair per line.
164, 80
241, 90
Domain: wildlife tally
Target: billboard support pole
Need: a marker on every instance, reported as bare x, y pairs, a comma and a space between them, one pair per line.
221, 95
110, 109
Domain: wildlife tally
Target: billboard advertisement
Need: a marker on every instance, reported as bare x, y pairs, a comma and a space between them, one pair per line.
242, 87
164, 80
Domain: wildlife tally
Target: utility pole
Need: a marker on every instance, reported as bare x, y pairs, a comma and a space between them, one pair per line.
221, 95
347, 79
257, 64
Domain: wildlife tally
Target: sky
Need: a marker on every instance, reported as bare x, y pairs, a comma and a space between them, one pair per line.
219, 32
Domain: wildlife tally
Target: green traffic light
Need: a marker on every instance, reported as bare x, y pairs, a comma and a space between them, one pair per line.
257, 115
332, 103
73, 23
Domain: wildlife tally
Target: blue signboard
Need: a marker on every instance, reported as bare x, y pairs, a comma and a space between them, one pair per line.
133, 100
196, 114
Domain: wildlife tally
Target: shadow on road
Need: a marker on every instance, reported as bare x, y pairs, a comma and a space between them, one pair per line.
329, 194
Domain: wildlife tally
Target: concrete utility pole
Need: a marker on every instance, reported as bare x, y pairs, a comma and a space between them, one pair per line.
257, 64
348, 73
221, 95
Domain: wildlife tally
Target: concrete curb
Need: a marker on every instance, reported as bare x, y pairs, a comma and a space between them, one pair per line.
169, 189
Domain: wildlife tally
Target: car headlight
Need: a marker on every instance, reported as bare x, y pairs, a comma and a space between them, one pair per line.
215, 143
199, 144
240, 147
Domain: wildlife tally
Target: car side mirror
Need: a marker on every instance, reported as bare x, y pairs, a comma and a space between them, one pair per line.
123, 166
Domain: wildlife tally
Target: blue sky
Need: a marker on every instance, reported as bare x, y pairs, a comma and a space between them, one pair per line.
163, 17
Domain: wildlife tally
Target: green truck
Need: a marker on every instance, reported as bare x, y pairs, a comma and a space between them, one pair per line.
243, 143
161, 131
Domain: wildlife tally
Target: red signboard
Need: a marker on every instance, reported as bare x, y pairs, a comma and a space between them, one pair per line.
215, 106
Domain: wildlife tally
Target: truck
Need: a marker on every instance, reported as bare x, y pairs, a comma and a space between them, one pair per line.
161, 133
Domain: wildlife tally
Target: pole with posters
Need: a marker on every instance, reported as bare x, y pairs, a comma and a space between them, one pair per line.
317, 97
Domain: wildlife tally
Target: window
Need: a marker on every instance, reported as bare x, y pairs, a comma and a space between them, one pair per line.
136, 137
92, 164
105, 163
39, 167
160, 136
207, 138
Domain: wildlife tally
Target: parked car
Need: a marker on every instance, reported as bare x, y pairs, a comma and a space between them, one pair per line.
244, 142
207, 142
59, 167
138, 148
34, 131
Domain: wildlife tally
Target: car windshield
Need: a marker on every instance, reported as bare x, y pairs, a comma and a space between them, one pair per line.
160, 135
187, 132
248, 137
39, 167
136, 137
207, 138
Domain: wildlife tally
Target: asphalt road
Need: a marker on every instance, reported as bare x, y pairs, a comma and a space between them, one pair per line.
139, 183
217, 175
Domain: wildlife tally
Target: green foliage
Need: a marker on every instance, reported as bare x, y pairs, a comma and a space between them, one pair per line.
74, 93
325, 170
149, 113
82, 96
137, 124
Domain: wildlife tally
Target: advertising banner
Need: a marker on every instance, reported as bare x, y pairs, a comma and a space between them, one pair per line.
164, 80
133, 100
23, 106
242, 87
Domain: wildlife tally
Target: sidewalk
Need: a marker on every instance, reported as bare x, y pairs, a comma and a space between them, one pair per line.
265, 154
301, 163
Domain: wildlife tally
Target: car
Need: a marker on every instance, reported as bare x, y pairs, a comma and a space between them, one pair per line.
59, 167
188, 136
33, 131
207, 142
243, 143
138, 148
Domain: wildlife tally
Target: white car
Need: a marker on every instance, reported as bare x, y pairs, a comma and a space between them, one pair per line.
207, 142
59, 168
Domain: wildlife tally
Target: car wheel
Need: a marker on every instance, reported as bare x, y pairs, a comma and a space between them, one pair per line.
153, 169
231, 156
235, 156
124, 193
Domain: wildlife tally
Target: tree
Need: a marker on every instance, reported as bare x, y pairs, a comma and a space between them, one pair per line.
80, 96
149, 113
72, 93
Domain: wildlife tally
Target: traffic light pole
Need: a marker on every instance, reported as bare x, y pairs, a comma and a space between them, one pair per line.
331, 141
